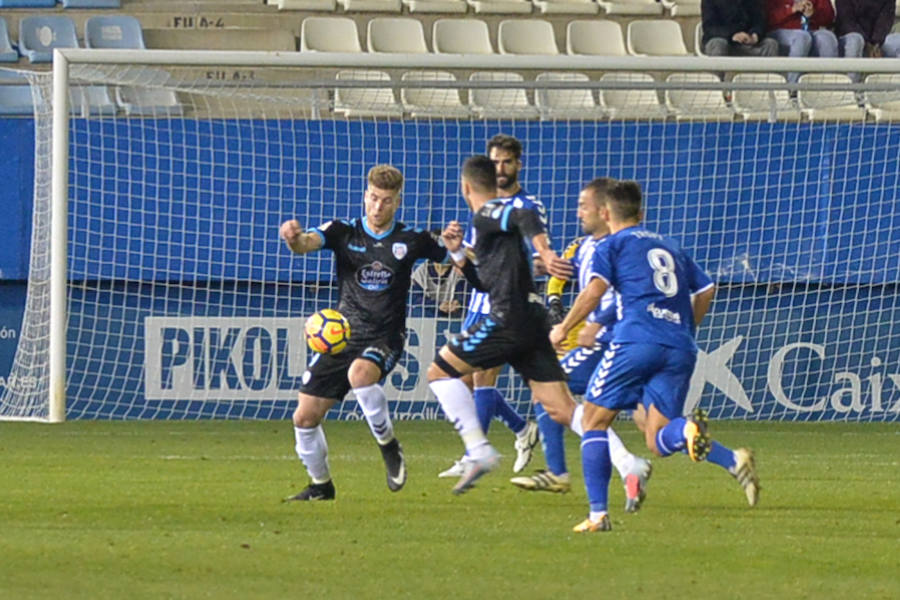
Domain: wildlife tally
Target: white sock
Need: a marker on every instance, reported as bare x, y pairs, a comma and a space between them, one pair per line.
312, 449
459, 406
576, 425
621, 458
375, 407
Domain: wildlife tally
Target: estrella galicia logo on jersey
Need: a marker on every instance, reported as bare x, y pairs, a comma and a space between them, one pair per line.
375, 276
356, 248
399, 249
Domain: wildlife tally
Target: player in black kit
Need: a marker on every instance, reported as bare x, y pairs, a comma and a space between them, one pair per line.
516, 330
374, 257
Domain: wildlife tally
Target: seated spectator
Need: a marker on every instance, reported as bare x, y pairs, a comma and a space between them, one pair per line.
442, 283
735, 28
891, 46
863, 25
801, 29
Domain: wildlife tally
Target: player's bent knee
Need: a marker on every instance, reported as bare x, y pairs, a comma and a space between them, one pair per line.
363, 373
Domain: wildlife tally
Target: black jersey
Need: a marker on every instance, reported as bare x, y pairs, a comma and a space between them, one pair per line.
373, 272
503, 268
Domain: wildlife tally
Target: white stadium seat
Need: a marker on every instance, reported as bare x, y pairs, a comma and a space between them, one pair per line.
568, 103
396, 35
526, 36
655, 37
461, 36
595, 37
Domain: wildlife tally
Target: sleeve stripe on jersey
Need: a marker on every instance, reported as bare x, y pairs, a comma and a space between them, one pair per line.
504, 219
317, 232
599, 276
703, 289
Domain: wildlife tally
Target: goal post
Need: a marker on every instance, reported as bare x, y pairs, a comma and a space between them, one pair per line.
159, 287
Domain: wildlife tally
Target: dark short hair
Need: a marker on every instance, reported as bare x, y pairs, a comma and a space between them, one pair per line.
507, 143
624, 200
599, 187
479, 171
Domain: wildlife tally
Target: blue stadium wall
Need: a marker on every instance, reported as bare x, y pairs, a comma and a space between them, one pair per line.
840, 355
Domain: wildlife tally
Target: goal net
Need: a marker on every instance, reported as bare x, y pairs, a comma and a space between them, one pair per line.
183, 303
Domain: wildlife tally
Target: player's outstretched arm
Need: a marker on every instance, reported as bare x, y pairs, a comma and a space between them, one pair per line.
558, 267
701, 302
584, 304
299, 241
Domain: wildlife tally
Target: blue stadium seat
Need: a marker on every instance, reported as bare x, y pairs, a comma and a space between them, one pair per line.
27, 3
7, 52
38, 36
16, 100
119, 31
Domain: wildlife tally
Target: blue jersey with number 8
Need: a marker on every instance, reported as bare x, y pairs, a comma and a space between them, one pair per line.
655, 279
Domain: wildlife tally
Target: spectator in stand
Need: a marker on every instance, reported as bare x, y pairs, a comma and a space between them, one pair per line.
863, 25
442, 283
801, 28
735, 28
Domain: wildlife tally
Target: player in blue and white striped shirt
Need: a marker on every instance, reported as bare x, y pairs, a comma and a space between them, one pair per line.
505, 152
664, 296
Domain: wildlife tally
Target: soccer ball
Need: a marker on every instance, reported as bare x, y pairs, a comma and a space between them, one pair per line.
327, 331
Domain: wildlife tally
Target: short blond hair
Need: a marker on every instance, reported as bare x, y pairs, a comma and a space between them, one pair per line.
385, 177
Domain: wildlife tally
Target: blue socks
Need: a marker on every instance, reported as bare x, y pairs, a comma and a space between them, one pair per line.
490, 403
597, 468
722, 456
551, 441
670, 439
485, 405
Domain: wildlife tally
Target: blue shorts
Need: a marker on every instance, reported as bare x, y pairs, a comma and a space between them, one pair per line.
648, 373
579, 364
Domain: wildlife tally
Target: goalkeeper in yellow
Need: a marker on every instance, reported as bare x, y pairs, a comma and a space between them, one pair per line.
584, 350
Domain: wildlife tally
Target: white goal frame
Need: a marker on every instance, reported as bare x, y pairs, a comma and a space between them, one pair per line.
64, 58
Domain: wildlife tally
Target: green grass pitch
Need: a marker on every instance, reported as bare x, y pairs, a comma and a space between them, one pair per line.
193, 510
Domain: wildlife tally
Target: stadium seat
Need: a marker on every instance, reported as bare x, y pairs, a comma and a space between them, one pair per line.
148, 102
622, 102
697, 103
393, 6
461, 36
120, 31
595, 37
436, 6
396, 35
501, 7
820, 105
526, 36
87, 100
38, 36
631, 7
567, 7
323, 5
432, 102
92, 3
7, 52
655, 37
764, 105
16, 100
329, 34
884, 105
365, 102
27, 3
500, 103
567, 103
698, 39
683, 8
